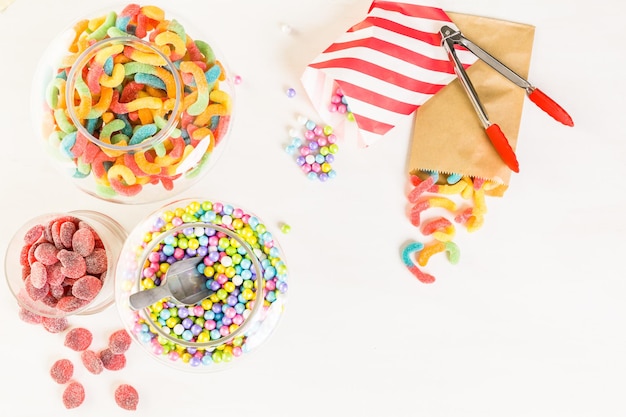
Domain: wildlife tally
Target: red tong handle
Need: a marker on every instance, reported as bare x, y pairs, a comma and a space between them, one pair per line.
548, 105
502, 146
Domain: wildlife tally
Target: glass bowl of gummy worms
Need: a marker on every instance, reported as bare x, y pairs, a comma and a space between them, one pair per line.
131, 106
62, 264
245, 272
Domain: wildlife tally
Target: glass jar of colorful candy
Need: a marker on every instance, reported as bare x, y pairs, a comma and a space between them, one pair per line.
62, 264
131, 105
242, 265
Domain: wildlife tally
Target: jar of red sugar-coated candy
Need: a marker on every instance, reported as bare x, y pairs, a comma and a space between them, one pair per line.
62, 264
243, 267
132, 105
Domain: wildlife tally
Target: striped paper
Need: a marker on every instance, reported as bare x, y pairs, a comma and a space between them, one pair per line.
387, 66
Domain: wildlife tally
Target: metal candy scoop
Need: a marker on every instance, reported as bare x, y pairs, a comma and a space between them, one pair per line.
184, 284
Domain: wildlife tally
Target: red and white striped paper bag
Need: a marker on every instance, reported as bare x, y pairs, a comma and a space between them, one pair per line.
387, 66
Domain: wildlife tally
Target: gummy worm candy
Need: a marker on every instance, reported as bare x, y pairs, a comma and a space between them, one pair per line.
453, 252
420, 206
428, 251
406, 258
441, 229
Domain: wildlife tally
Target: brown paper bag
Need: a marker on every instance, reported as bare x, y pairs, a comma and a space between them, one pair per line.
448, 136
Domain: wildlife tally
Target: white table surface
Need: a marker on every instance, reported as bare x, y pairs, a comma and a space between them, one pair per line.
530, 322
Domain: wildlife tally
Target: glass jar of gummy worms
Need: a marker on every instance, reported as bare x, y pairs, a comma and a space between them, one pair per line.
132, 106
243, 267
62, 264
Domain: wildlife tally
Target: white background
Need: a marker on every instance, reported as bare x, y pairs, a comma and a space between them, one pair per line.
530, 322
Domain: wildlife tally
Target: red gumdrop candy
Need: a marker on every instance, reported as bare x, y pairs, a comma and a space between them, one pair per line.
73, 264
74, 395
119, 341
55, 324
70, 303
62, 371
33, 292
96, 262
127, 397
66, 232
33, 234
38, 274
87, 287
83, 242
78, 339
28, 316
54, 274
112, 361
46, 253
92, 362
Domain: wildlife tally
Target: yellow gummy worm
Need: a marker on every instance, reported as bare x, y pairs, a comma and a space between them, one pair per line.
153, 12
480, 206
146, 166
144, 103
222, 97
168, 79
81, 44
171, 169
116, 77
106, 96
79, 28
189, 99
474, 223
204, 118
202, 87
201, 133
446, 235
148, 58
106, 52
429, 250
122, 171
442, 202
173, 39
469, 189
452, 188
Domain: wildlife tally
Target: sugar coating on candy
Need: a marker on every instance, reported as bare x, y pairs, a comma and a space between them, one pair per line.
62, 371
73, 395
74, 265
33, 234
119, 341
70, 303
96, 261
126, 396
83, 242
29, 317
33, 292
87, 287
112, 361
66, 232
38, 274
46, 253
78, 339
92, 362
55, 324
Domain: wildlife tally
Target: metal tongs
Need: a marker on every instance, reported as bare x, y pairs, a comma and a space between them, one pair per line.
450, 38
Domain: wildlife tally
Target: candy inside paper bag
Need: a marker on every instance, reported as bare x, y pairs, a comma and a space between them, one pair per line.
448, 137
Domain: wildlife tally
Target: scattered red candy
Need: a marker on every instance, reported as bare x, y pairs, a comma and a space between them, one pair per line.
62, 371
33, 234
92, 362
119, 341
112, 361
126, 397
74, 395
69, 303
55, 325
78, 339
66, 232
